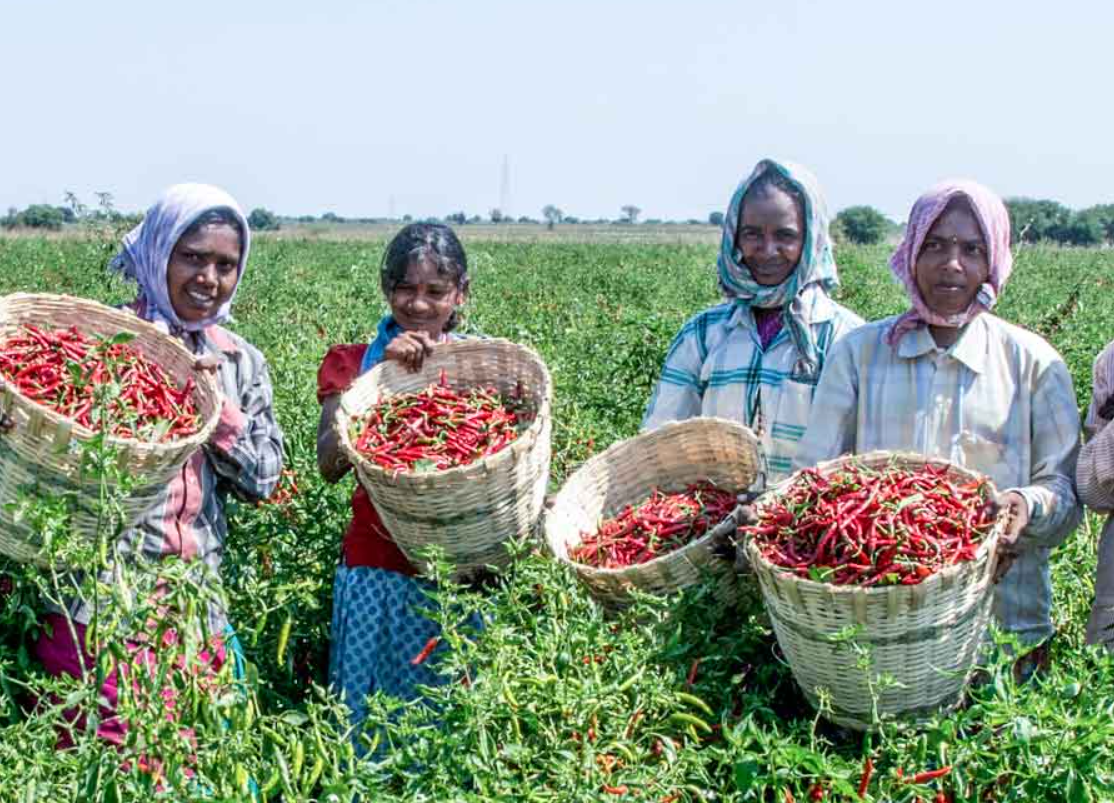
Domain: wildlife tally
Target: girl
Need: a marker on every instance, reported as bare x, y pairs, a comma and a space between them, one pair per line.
757, 357
377, 627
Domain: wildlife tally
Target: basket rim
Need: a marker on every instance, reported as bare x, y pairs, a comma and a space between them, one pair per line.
987, 549
629, 443
526, 440
146, 329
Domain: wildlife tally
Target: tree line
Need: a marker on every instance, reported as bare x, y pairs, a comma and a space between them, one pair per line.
1031, 220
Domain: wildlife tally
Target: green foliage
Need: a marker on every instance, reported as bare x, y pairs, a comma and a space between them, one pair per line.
262, 219
602, 317
863, 225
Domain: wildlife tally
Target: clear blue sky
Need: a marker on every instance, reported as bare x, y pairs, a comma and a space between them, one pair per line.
306, 108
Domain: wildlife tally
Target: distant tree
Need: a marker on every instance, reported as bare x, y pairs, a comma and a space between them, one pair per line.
863, 224
552, 215
458, 218
42, 216
715, 219
652, 221
262, 219
1079, 229
10, 220
496, 216
570, 219
306, 219
526, 219
630, 213
1102, 214
407, 219
1033, 220
332, 217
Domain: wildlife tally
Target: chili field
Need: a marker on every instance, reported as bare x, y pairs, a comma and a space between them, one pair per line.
673, 701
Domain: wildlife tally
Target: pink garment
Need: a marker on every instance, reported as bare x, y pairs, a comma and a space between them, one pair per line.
994, 221
59, 655
769, 323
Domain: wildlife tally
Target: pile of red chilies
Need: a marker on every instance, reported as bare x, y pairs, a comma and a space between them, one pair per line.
61, 369
652, 528
438, 428
865, 527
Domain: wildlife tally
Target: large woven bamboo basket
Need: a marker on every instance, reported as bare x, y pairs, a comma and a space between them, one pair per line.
41, 453
470, 511
670, 457
926, 636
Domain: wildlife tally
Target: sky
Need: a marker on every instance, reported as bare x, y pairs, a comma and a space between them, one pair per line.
365, 109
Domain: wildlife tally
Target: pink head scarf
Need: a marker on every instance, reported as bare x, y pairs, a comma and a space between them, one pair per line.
995, 224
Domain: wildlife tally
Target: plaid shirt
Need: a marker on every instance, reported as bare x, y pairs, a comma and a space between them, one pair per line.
999, 401
1095, 478
716, 366
243, 457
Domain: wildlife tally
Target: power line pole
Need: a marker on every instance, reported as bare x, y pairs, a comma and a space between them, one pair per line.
505, 188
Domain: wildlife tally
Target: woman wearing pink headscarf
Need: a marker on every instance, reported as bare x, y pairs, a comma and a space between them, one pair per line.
949, 379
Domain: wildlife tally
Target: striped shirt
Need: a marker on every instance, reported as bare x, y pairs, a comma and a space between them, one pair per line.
999, 401
242, 457
716, 366
1095, 478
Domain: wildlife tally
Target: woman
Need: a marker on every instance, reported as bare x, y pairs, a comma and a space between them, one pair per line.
188, 256
1095, 479
757, 357
949, 379
378, 629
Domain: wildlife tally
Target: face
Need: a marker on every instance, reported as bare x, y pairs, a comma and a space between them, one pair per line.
424, 300
771, 235
202, 271
953, 261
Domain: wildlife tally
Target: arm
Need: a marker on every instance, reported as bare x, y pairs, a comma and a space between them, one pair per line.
1094, 474
679, 392
246, 446
1053, 509
331, 460
833, 420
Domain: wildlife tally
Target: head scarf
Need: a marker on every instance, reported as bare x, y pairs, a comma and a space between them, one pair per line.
146, 250
994, 221
815, 272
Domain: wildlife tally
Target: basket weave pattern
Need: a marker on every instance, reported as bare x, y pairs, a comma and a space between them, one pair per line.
927, 636
670, 457
41, 452
470, 510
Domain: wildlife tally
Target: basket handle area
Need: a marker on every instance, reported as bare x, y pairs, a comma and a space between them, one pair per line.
731, 523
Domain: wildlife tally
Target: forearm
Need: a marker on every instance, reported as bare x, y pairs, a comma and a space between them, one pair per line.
247, 451
331, 459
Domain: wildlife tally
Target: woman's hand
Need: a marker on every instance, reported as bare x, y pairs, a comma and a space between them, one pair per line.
331, 460
1017, 512
208, 362
410, 348
6, 424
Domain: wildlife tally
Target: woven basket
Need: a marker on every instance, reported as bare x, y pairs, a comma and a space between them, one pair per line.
40, 452
927, 636
670, 457
471, 510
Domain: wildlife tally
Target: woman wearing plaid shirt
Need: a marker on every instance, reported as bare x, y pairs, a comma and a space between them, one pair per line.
756, 358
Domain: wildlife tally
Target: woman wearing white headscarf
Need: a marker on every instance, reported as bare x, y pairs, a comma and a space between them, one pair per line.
188, 256
756, 358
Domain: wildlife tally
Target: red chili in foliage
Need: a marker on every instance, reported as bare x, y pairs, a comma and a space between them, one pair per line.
426, 650
615, 790
865, 527
692, 672
816, 792
925, 777
868, 770
61, 368
662, 523
440, 427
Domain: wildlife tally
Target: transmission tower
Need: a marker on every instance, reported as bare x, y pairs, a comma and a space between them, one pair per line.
505, 188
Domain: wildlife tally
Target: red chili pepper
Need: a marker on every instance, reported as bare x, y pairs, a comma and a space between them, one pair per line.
864, 782
426, 650
692, 672
929, 775
615, 790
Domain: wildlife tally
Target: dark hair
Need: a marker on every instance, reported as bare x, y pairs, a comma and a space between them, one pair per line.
772, 179
219, 216
431, 242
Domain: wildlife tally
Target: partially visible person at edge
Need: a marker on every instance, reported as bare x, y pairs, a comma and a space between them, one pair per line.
949, 379
377, 626
756, 358
188, 256
1095, 479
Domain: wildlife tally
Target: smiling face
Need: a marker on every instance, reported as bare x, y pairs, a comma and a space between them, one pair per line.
425, 298
203, 270
771, 235
953, 262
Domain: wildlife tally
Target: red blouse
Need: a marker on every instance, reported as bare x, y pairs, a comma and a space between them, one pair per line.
366, 542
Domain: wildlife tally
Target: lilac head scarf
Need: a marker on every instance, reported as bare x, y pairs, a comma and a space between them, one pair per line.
995, 224
146, 250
